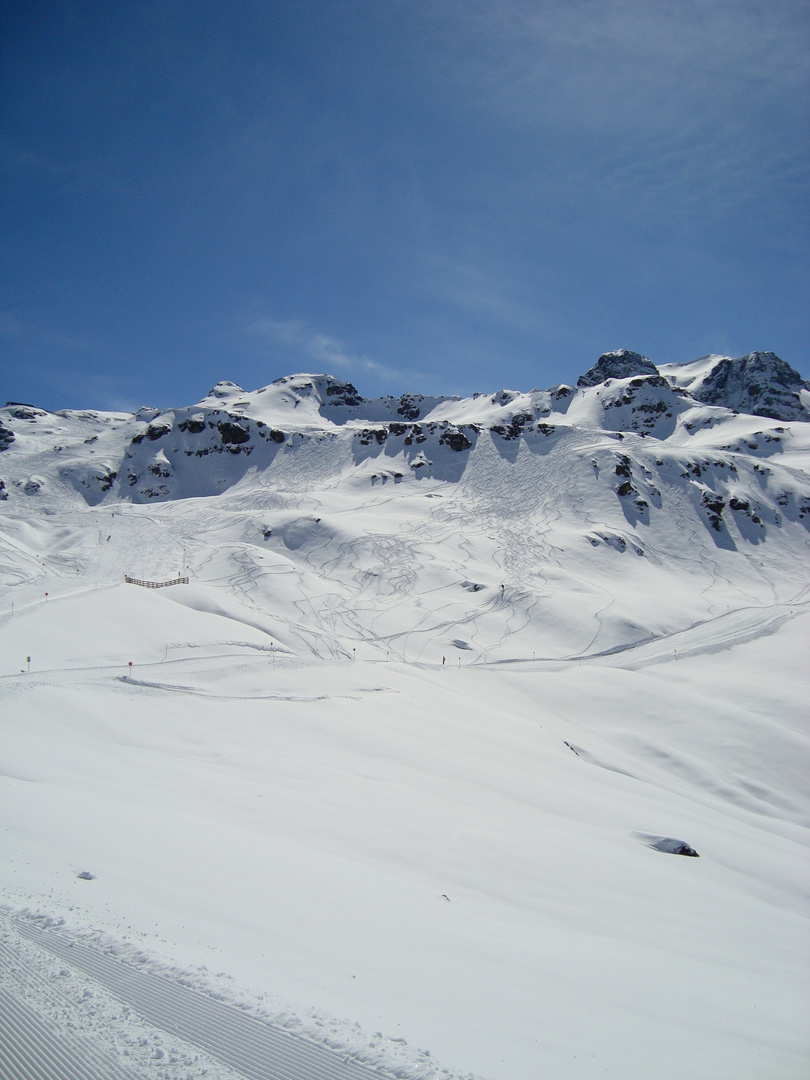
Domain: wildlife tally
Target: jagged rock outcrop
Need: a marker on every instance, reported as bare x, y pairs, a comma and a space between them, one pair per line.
760, 384
619, 364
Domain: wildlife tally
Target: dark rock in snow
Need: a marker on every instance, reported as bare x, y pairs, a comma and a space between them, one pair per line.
157, 431
668, 844
342, 393
620, 364
677, 847
193, 427
456, 440
759, 384
714, 506
233, 433
409, 406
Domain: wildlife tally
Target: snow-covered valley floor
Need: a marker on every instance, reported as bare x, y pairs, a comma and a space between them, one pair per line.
461, 857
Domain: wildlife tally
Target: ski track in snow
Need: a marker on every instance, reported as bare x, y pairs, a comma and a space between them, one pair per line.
169, 1030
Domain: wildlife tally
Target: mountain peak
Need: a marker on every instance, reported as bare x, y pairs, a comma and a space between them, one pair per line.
618, 364
225, 389
759, 383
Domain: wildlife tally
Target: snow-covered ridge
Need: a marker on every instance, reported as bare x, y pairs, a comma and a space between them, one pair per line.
205, 448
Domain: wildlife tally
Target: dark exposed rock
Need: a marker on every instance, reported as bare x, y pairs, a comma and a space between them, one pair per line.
456, 440
620, 364
714, 506
669, 845
157, 431
559, 393
513, 429
193, 427
27, 412
623, 467
6, 437
343, 393
685, 849
367, 434
231, 432
409, 406
760, 383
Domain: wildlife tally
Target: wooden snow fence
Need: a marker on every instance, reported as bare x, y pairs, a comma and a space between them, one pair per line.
155, 584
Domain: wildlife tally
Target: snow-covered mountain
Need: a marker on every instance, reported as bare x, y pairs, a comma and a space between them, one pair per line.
759, 383
306, 473
405, 762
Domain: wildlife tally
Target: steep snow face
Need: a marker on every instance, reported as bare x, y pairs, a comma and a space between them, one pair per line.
760, 384
619, 364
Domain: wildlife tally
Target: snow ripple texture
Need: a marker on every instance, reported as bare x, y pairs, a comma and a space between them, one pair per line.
186, 1034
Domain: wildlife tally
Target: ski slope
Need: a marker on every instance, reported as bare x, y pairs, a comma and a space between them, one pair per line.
391, 786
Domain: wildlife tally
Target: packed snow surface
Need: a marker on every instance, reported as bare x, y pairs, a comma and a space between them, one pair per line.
402, 781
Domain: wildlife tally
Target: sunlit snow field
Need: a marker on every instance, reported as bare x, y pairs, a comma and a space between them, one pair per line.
397, 771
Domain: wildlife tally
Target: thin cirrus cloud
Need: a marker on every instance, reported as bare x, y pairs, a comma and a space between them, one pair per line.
305, 343
700, 92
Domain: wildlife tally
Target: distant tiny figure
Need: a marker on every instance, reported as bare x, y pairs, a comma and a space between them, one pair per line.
442, 661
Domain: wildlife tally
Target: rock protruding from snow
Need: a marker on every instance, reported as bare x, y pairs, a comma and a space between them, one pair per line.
619, 364
225, 389
325, 389
760, 384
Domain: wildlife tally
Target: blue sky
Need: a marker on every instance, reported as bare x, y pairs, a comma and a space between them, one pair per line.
441, 196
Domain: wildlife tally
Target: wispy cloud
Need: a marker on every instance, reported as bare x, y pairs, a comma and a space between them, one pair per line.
481, 290
697, 102
324, 351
